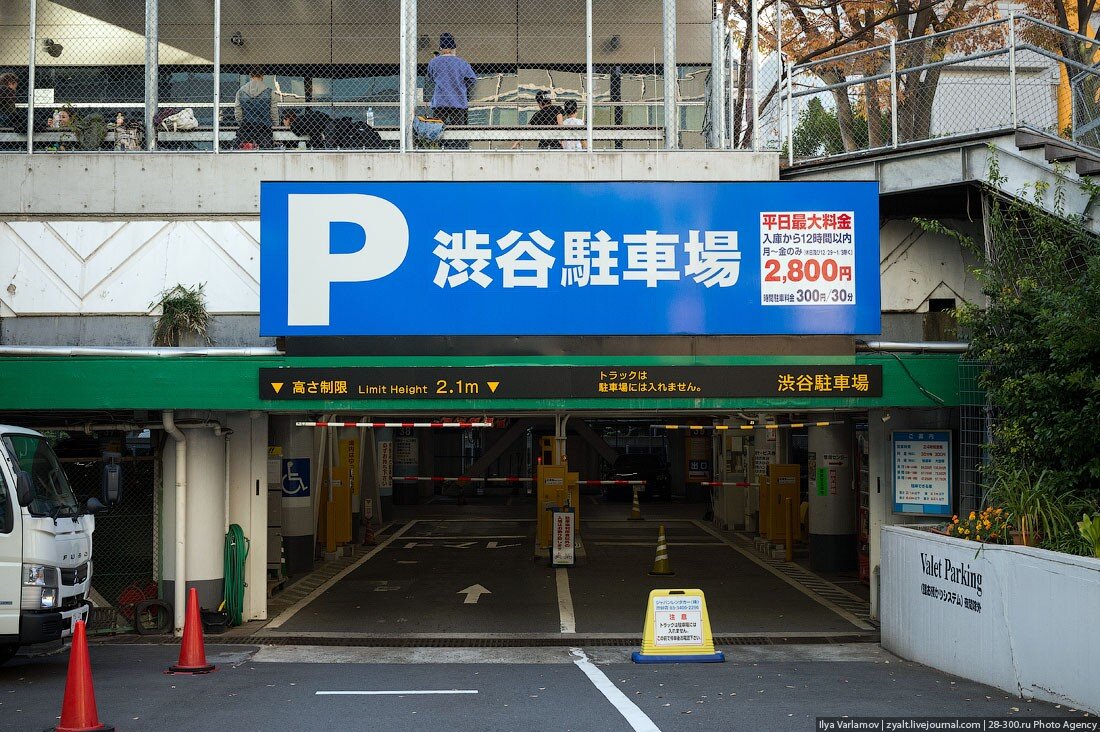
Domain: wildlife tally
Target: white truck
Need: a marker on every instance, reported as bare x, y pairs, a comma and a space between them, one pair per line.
45, 544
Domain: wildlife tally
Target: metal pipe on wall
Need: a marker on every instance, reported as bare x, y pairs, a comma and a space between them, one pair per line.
180, 579
152, 70
754, 39
717, 86
218, 82
671, 134
32, 40
589, 91
403, 74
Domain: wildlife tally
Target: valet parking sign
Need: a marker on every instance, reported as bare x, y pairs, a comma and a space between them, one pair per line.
568, 258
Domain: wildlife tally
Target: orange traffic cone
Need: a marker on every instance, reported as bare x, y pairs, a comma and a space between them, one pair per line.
78, 712
636, 509
192, 654
660, 564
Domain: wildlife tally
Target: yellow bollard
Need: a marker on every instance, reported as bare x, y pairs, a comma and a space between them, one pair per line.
660, 563
636, 509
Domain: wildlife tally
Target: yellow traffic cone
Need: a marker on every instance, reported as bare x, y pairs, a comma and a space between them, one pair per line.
660, 564
636, 509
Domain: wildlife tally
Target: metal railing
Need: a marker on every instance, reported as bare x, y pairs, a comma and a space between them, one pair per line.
357, 74
1013, 73
353, 74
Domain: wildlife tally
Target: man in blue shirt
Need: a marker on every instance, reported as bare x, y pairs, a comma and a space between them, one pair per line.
453, 78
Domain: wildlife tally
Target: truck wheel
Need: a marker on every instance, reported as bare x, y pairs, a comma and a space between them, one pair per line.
6, 652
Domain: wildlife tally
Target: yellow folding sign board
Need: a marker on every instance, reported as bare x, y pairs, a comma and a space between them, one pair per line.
677, 629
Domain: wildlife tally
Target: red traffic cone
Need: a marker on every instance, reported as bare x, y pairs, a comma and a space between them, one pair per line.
192, 654
78, 712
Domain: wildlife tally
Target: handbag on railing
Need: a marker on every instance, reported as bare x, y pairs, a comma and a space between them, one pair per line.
427, 129
128, 138
180, 121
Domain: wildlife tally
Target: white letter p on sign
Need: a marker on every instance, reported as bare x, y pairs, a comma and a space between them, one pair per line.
311, 265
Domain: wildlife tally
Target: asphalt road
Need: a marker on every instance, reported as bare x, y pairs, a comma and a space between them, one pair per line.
777, 688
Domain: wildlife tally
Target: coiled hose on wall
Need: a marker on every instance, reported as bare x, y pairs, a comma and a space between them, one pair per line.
236, 551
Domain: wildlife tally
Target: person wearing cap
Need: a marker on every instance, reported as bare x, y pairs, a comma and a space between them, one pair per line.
548, 115
453, 78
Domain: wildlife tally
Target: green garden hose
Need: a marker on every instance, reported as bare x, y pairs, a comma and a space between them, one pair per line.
236, 550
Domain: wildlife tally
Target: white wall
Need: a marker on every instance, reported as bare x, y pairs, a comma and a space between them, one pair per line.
918, 265
83, 267
1032, 632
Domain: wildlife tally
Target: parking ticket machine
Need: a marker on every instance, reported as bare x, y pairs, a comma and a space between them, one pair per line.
556, 488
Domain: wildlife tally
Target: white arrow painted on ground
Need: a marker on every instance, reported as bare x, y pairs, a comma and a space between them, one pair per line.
463, 545
495, 545
473, 593
413, 545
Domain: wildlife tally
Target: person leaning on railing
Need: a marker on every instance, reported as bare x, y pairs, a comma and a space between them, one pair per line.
8, 111
256, 111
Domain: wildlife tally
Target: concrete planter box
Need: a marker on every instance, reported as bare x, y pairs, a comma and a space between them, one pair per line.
1024, 620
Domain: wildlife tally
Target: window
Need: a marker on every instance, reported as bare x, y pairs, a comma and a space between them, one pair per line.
7, 507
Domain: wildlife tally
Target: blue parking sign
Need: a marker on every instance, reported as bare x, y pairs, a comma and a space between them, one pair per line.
296, 478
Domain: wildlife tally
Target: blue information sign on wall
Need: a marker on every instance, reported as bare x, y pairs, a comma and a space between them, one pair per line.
922, 472
568, 258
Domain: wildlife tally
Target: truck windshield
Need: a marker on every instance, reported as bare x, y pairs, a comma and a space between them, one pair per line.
50, 491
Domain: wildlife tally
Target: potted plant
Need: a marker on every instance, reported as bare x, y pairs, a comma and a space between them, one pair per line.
183, 317
1090, 532
1034, 507
991, 525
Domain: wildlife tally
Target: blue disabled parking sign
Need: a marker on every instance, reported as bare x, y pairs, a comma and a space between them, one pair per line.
296, 478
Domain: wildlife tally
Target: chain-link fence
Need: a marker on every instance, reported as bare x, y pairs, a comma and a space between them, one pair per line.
125, 568
1003, 74
112, 75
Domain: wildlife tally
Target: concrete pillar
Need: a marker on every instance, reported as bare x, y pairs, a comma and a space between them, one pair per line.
248, 502
832, 499
764, 454
880, 423
298, 520
205, 540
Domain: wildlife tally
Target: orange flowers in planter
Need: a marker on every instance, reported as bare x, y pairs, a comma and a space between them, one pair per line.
990, 525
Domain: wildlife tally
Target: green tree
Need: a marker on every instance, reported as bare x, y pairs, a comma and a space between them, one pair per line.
1038, 338
818, 132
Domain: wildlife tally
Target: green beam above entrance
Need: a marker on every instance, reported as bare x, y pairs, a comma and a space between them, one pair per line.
234, 383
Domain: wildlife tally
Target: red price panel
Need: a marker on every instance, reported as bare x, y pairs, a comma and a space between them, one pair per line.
807, 258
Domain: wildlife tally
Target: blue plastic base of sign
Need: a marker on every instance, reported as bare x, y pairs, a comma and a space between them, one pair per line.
716, 657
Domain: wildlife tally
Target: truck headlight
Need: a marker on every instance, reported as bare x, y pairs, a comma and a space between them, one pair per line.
40, 587
49, 598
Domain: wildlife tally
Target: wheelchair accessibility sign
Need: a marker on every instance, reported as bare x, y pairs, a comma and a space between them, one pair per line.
296, 478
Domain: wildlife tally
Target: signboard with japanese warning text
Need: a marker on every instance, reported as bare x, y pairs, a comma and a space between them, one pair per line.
570, 382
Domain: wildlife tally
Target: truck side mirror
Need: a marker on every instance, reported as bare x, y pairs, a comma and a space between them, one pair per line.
23, 488
94, 505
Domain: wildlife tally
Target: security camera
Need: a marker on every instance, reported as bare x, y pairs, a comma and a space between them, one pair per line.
237, 39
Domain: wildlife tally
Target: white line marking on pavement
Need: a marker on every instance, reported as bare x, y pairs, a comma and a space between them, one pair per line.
638, 720
792, 582
291, 611
565, 602
395, 693
473, 593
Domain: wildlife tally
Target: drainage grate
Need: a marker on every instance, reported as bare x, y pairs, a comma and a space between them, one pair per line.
555, 641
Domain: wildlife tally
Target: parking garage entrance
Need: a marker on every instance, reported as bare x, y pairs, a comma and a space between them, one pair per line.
463, 540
